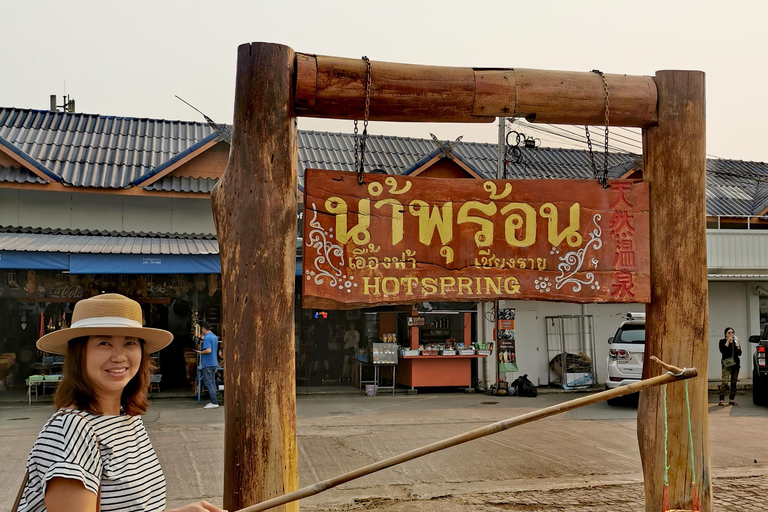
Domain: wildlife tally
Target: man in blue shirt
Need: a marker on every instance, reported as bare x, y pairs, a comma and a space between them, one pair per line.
209, 363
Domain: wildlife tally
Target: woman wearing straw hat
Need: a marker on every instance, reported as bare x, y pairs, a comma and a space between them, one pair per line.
94, 454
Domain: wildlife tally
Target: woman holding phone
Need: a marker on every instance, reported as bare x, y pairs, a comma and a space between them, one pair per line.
730, 349
94, 454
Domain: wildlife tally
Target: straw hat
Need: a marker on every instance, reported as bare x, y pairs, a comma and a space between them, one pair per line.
110, 314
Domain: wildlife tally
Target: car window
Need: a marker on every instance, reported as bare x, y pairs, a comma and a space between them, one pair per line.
630, 333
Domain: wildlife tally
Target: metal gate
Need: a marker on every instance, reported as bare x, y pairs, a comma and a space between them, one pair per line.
571, 351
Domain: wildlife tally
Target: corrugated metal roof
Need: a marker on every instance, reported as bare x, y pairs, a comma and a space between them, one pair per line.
83, 242
89, 150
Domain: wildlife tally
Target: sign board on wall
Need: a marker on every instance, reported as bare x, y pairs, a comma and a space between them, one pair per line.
505, 340
400, 240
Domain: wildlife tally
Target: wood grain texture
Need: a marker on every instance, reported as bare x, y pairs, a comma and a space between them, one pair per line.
254, 207
677, 317
402, 240
334, 87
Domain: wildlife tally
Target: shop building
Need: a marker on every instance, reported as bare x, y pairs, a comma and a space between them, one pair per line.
92, 203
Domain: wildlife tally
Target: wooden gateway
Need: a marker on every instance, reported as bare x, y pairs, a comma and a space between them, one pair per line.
399, 242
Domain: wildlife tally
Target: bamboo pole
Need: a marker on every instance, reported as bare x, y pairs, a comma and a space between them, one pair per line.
674, 164
334, 87
673, 374
254, 206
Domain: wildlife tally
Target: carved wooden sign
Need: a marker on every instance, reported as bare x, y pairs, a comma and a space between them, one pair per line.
400, 240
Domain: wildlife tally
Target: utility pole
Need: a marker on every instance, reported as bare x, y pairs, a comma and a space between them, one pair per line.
501, 154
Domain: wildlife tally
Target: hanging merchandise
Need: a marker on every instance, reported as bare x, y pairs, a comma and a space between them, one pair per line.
505, 335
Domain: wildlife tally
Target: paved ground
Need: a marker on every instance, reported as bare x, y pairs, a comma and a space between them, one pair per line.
586, 459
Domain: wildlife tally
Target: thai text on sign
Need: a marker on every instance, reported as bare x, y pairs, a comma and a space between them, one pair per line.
399, 240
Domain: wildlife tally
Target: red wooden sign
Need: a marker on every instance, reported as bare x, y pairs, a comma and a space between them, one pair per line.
401, 240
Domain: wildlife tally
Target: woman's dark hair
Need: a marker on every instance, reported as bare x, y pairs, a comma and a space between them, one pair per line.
725, 332
74, 389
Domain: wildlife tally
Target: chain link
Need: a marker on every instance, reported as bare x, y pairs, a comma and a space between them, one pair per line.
357, 148
361, 164
603, 175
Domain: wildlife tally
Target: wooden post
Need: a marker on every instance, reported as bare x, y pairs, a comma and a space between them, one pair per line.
674, 163
254, 206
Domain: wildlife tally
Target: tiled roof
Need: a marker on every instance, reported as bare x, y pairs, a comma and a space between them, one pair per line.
735, 187
399, 155
13, 175
100, 242
89, 150
180, 184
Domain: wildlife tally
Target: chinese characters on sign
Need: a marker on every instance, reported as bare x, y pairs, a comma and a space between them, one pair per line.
397, 240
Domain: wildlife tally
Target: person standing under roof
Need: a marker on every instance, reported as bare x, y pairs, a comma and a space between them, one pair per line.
209, 363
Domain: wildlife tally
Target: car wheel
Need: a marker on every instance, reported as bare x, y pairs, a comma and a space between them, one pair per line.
758, 389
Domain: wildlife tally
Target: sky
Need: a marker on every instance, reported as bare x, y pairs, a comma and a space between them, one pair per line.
132, 58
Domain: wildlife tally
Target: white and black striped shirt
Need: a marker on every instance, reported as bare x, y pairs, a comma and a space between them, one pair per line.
124, 462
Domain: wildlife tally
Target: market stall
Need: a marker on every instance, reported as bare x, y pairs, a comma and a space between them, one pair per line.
440, 348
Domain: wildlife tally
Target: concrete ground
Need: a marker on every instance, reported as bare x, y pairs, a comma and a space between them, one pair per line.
586, 459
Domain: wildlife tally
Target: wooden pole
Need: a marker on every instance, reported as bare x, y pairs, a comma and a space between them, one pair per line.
675, 374
674, 163
254, 206
334, 87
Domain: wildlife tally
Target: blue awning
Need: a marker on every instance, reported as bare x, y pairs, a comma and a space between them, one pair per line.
144, 264
34, 260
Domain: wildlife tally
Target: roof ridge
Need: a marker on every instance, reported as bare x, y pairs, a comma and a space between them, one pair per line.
96, 232
103, 116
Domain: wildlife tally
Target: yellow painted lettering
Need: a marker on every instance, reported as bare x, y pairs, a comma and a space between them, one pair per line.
359, 234
394, 289
516, 221
408, 283
429, 284
446, 284
571, 233
371, 289
511, 285
484, 237
440, 218
397, 218
465, 285
493, 284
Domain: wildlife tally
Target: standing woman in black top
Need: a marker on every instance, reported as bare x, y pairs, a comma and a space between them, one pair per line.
729, 347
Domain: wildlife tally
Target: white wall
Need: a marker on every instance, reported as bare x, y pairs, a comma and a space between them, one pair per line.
9, 207
108, 212
731, 304
736, 305
531, 335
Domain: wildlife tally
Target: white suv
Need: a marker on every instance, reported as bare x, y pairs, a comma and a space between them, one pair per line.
625, 357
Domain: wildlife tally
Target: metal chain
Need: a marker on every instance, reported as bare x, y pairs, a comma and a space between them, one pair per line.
603, 175
361, 165
357, 148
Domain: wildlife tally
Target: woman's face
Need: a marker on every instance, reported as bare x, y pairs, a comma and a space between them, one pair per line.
111, 362
729, 333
